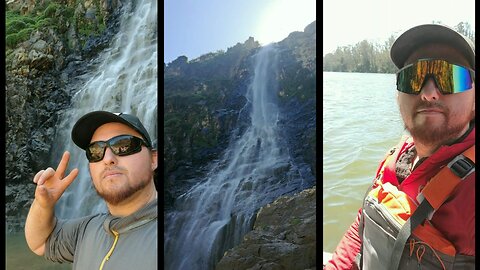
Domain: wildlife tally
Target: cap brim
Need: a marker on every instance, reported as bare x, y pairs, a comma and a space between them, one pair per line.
84, 128
417, 36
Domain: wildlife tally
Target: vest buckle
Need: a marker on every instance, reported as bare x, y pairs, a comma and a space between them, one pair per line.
461, 166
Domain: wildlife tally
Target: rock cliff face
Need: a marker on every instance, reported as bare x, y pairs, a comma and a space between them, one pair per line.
204, 97
283, 237
49, 44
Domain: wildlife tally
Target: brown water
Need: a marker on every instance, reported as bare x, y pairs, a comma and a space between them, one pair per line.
361, 123
20, 257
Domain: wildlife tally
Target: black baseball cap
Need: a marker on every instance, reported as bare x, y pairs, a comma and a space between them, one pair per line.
84, 128
419, 35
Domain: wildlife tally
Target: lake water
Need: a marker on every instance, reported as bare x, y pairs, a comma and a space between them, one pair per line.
20, 257
361, 122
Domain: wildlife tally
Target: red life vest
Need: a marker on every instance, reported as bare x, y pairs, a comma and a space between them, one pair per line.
387, 212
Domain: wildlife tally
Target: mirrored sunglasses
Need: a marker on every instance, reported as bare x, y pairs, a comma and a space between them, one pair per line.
122, 145
449, 78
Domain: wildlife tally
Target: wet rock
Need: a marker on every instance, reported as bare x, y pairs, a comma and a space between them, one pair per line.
40, 61
283, 237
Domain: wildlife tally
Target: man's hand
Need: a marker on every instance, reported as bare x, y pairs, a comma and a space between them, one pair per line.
51, 184
41, 218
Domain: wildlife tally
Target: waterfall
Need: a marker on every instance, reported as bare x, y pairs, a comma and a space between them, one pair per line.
122, 79
256, 168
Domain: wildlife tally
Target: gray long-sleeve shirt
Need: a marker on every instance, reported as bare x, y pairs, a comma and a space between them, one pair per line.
86, 241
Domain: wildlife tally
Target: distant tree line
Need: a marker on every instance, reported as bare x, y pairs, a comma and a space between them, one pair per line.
372, 57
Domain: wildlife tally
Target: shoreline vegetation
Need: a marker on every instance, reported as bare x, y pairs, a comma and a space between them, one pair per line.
367, 57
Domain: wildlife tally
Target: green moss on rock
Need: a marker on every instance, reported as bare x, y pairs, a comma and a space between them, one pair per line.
53, 15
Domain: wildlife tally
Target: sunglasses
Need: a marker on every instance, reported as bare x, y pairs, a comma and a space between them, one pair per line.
122, 145
450, 78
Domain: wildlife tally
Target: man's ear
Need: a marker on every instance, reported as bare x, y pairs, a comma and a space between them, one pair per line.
154, 159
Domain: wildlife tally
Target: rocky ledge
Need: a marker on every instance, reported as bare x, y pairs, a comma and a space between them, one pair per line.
283, 237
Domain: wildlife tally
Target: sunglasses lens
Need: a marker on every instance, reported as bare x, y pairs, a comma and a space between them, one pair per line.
450, 78
125, 145
96, 151
122, 145
410, 79
462, 79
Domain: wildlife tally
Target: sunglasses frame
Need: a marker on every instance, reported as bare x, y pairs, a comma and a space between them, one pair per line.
110, 143
471, 72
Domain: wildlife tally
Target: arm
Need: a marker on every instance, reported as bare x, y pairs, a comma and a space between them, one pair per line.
41, 217
345, 252
38, 226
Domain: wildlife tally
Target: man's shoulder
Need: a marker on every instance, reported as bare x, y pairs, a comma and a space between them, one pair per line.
85, 221
404, 140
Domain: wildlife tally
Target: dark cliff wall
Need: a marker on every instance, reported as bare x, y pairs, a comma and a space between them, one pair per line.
49, 44
203, 99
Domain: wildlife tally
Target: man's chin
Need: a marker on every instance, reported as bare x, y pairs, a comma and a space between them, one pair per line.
117, 194
434, 133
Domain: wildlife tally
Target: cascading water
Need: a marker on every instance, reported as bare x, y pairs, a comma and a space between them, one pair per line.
124, 79
255, 169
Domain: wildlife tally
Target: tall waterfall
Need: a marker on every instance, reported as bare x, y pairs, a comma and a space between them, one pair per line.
123, 79
256, 168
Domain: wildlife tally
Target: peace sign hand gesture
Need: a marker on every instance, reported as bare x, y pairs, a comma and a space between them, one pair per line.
51, 184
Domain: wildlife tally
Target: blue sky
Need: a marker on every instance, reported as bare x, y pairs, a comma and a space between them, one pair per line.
196, 27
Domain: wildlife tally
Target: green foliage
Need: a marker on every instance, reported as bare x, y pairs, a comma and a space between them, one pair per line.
297, 81
11, 40
45, 22
363, 57
18, 28
15, 22
51, 9
49, 14
86, 29
15, 26
295, 221
24, 34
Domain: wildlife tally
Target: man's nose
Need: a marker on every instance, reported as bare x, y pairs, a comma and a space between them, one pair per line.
430, 91
109, 157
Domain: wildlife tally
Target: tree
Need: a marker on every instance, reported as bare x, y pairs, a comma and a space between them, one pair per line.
373, 58
465, 29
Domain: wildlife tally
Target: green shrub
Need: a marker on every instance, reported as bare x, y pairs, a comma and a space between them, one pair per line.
11, 40
11, 15
24, 34
45, 22
51, 10
28, 20
18, 28
15, 26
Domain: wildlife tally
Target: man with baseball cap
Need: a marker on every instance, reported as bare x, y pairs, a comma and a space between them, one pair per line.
121, 164
419, 212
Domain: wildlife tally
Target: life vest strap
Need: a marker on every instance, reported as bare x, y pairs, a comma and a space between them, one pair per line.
435, 193
442, 184
423, 210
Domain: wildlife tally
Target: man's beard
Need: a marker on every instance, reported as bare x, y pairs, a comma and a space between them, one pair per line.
118, 196
435, 135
